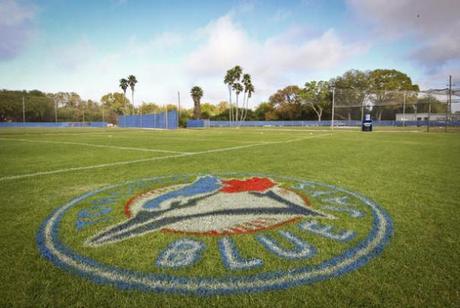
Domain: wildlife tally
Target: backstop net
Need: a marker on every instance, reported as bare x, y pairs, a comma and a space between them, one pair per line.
397, 108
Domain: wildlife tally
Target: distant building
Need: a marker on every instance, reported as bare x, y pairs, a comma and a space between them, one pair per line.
424, 117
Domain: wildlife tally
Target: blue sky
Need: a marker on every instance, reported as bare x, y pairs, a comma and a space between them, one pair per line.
87, 46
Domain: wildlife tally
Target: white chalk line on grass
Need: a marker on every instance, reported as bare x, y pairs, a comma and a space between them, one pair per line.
121, 163
95, 145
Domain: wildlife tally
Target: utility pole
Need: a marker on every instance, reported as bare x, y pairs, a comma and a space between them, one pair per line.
333, 107
23, 110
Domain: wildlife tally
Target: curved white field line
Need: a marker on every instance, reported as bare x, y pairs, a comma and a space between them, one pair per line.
184, 154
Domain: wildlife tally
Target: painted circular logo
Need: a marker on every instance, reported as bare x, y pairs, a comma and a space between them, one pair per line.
214, 234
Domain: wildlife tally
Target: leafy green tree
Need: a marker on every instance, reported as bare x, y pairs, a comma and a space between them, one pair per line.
317, 96
221, 107
197, 94
149, 108
265, 111
287, 104
351, 93
185, 115
116, 102
436, 105
208, 110
387, 88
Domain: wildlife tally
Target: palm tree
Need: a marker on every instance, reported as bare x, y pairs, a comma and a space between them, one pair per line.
246, 83
132, 83
124, 86
249, 89
238, 89
229, 80
237, 70
197, 94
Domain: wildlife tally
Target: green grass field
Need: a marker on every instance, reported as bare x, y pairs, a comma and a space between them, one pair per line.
413, 175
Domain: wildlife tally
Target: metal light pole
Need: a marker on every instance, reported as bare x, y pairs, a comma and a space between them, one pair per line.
333, 107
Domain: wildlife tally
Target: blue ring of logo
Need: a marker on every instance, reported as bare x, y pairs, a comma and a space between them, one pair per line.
65, 258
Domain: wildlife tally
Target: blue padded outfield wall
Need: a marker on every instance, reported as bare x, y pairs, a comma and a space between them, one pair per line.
53, 124
157, 120
198, 123
337, 123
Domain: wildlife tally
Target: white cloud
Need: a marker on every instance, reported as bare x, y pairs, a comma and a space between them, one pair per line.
434, 26
272, 62
73, 57
16, 27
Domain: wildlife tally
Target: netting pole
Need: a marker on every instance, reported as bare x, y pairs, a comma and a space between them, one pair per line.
333, 107
23, 111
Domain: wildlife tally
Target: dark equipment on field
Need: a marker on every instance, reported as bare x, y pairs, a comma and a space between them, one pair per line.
366, 126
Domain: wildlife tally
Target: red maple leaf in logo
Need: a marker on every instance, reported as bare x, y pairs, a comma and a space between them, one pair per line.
251, 184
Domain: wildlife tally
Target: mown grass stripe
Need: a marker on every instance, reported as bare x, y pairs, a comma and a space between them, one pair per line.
95, 145
21, 176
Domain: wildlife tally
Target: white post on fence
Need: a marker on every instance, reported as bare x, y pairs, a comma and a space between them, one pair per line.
333, 107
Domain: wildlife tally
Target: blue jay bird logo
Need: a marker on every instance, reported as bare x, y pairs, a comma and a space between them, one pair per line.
210, 206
